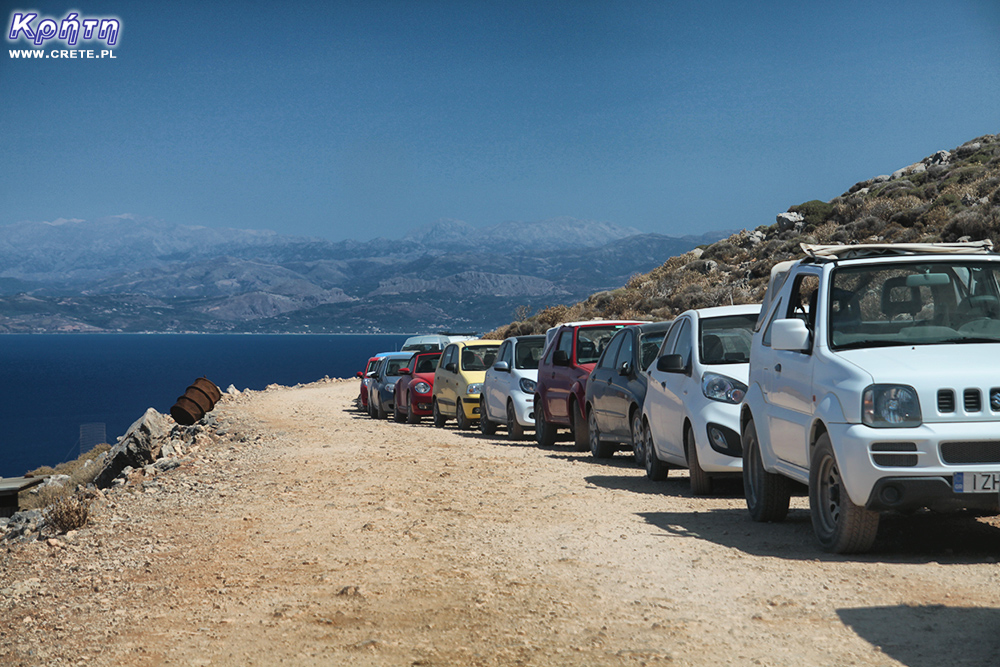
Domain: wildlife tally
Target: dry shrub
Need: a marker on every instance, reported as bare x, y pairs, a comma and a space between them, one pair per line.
69, 512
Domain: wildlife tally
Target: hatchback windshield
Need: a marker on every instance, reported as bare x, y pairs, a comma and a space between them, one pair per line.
527, 354
479, 358
726, 340
918, 303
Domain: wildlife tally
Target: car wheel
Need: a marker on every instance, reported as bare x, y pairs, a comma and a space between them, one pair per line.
514, 429
380, 412
439, 419
598, 449
841, 526
638, 446
767, 494
485, 425
701, 482
397, 416
581, 437
461, 420
411, 418
656, 469
545, 433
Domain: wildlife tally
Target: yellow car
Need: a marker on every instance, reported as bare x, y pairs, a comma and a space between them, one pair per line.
458, 381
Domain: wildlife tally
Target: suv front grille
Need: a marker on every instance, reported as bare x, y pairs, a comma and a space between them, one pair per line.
973, 400
970, 452
946, 400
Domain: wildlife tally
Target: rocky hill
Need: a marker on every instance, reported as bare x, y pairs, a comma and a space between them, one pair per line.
950, 195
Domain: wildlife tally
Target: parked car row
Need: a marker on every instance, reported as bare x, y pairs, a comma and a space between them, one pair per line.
868, 376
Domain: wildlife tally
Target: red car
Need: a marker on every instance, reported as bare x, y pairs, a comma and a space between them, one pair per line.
570, 354
363, 399
413, 390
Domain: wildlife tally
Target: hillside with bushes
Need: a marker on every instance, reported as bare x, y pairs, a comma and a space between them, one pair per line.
948, 196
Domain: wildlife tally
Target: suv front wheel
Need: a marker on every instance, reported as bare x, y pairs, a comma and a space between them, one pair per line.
767, 494
841, 526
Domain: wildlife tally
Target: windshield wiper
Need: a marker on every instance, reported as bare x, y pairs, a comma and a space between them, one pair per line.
969, 340
873, 343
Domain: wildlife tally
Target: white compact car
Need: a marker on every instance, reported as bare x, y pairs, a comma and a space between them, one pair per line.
509, 388
691, 415
875, 381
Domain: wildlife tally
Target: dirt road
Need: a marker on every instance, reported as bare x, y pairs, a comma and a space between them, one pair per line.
306, 533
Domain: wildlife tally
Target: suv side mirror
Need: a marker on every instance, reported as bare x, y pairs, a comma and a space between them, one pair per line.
451, 367
560, 358
671, 363
791, 334
502, 366
625, 369
359, 374
405, 371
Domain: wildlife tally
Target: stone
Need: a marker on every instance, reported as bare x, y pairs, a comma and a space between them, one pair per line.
968, 149
881, 179
941, 157
233, 391
140, 446
788, 219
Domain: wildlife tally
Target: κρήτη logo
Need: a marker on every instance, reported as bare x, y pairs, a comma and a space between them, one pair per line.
71, 29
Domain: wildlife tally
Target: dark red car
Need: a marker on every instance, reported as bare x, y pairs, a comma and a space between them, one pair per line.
570, 354
413, 390
363, 398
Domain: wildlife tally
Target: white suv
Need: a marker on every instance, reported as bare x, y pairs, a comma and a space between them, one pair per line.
875, 381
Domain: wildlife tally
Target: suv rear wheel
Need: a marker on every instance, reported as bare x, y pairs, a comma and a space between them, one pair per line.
767, 494
581, 437
841, 526
598, 448
545, 433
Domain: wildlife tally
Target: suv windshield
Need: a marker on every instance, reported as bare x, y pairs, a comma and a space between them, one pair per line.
591, 341
918, 303
479, 358
726, 340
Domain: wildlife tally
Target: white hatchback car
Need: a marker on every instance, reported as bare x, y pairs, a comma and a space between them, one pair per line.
691, 416
509, 389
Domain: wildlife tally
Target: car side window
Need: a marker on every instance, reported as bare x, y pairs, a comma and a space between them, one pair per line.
765, 340
503, 353
625, 352
671, 339
608, 356
802, 303
684, 346
566, 343
448, 356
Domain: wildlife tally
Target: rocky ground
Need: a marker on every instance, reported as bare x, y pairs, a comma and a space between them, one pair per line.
299, 531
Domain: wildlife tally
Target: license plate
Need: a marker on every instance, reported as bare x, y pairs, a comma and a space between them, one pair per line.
976, 482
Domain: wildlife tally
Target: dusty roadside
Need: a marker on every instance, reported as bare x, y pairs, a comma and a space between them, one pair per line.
305, 533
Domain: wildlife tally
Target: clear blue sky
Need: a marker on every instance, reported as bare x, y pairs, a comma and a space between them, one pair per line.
370, 118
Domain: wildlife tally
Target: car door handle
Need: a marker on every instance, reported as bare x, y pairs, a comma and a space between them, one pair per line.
777, 368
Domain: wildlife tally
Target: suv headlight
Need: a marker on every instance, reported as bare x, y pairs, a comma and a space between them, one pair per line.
421, 387
722, 388
890, 406
474, 388
527, 386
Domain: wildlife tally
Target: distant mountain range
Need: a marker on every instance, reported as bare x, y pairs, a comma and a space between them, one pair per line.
129, 274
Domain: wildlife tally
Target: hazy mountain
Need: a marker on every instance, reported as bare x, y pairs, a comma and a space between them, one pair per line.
128, 273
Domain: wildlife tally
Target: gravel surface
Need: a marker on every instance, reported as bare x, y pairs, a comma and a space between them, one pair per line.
303, 532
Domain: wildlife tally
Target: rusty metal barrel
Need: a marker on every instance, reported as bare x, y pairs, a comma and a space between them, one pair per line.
197, 401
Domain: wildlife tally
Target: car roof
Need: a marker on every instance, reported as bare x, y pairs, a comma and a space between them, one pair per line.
399, 355
583, 323
722, 311
477, 342
522, 339
652, 327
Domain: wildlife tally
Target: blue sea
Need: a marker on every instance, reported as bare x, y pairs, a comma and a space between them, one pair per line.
54, 383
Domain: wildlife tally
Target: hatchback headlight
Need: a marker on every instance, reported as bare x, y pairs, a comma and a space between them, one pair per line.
421, 387
890, 406
474, 388
722, 388
527, 386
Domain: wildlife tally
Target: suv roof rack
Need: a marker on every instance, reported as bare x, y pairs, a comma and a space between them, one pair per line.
840, 251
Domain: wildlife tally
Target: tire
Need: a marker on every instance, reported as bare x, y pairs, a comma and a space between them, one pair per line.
485, 425
598, 449
581, 437
840, 526
439, 419
381, 413
461, 420
397, 416
514, 429
411, 418
638, 446
701, 482
545, 433
371, 409
656, 470
767, 494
